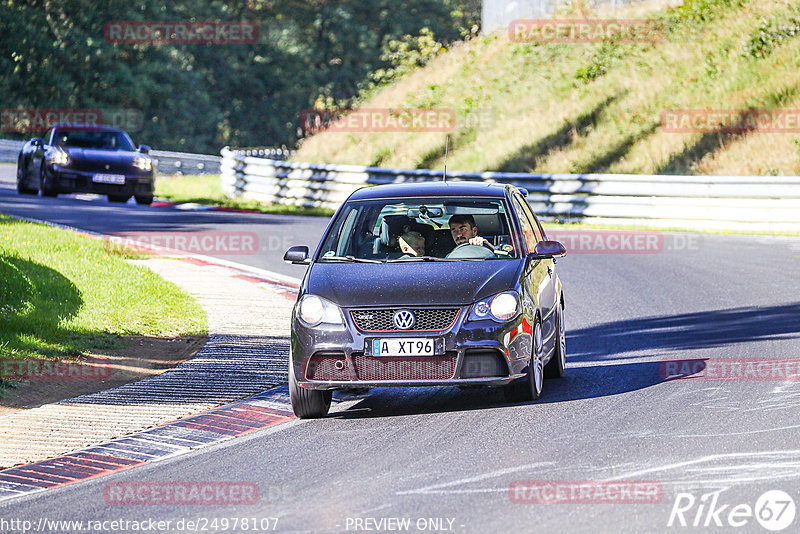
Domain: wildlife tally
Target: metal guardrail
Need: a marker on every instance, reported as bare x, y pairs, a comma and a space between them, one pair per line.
166, 162
750, 203
185, 163
9, 150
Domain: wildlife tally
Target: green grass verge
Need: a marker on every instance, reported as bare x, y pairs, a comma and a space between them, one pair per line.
62, 295
206, 189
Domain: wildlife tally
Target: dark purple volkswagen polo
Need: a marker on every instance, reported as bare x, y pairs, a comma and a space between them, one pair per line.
434, 284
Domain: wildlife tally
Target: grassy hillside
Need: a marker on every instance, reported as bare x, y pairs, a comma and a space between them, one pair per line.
597, 107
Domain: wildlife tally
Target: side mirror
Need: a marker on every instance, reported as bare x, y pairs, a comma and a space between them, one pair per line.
297, 255
549, 249
37, 141
144, 149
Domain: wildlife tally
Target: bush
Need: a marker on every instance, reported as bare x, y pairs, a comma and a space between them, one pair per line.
405, 55
769, 36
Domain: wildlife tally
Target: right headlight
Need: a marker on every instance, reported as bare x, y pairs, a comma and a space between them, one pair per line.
313, 310
501, 307
141, 162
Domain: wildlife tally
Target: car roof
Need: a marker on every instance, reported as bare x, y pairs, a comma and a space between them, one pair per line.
418, 189
66, 126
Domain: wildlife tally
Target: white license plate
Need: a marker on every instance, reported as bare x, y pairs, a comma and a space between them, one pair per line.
403, 346
118, 179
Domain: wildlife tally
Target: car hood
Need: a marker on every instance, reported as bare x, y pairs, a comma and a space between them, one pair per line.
411, 283
108, 156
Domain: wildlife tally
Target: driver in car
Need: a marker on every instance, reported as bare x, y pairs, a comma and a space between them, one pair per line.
464, 230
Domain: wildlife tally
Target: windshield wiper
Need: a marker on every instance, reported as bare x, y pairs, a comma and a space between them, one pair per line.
350, 259
420, 258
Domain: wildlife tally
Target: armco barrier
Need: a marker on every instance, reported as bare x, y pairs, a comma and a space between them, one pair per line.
749, 203
166, 162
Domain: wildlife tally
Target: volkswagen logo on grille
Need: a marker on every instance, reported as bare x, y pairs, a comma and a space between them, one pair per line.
403, 319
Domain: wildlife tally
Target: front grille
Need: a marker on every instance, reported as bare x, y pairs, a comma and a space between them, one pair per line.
427, 319
327, 366
405, 368
114, 167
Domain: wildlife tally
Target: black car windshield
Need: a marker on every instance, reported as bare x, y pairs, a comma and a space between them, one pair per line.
97, 139
419, 230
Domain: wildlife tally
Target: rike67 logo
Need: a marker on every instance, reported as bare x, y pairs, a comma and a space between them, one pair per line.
774, 510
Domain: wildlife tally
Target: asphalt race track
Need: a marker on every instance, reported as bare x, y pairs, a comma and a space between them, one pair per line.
445, 459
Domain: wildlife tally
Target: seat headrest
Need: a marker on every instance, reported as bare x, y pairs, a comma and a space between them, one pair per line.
393, 226
488, 224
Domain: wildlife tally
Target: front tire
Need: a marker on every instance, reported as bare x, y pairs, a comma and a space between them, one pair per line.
21, 189
144, 200
555, 367
48, 187
308, 403
529, 388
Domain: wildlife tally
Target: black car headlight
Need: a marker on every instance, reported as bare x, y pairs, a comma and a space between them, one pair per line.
501, 308
313, 310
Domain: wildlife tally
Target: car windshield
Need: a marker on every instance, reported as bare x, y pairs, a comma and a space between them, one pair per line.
101, 140
420, 229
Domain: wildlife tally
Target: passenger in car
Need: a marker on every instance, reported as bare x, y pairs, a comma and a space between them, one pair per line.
412, 243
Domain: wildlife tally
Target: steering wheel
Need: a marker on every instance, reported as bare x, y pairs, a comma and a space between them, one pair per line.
470, 251
484, 244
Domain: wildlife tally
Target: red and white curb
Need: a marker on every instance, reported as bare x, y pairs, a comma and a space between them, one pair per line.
178, 437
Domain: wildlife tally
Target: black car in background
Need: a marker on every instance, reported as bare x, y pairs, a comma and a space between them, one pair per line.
75, 158
434, 284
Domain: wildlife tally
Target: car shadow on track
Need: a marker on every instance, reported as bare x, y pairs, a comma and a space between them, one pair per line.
592, 351
578, 383
689, 331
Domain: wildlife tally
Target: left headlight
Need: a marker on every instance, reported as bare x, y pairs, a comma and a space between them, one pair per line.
140, 162
313, 310
58, 157
500, 307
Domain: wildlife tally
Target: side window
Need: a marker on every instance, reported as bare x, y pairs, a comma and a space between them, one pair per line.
537, 225
528, 233
532, 220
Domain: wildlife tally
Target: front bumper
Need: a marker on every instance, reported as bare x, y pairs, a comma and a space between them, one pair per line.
67, 180
471, 353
